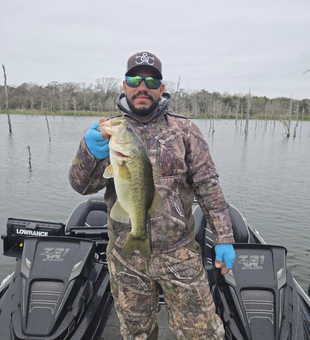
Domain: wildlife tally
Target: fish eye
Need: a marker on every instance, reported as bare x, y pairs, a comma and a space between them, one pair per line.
129, 128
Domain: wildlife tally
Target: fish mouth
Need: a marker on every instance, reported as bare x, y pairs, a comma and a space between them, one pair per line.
119, 154
117, 121
108, 125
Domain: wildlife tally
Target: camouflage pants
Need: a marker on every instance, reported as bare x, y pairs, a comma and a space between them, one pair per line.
189, 303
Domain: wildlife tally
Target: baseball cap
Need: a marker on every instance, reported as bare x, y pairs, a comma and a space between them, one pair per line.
146, 59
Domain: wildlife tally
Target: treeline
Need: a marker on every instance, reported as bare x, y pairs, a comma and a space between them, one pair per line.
99, 99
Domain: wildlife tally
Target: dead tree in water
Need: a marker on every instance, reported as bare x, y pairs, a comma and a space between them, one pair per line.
7, 100
297, 112
287, 122
29, 153
48, 128
248, 112
237, 109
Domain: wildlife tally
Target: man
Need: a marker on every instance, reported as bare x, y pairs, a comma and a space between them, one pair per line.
176, 145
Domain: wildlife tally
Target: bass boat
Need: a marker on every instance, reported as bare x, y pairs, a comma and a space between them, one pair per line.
60, 287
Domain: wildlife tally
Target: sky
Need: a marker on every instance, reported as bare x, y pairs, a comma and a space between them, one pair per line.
216, 45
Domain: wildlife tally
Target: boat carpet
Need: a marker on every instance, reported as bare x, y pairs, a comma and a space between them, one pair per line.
112, 332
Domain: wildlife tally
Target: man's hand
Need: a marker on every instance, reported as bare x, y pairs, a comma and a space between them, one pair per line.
224, 257
97, 142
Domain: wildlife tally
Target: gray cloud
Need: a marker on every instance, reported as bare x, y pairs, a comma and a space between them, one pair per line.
214, 45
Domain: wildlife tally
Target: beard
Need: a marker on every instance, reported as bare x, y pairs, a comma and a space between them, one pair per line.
142, 111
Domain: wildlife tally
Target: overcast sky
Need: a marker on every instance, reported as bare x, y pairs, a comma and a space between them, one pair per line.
216, 45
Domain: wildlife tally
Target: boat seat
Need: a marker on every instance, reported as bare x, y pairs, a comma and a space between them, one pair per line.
88, 214
239, 225
205, 237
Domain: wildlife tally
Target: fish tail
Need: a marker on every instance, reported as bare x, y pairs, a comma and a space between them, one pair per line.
143, 245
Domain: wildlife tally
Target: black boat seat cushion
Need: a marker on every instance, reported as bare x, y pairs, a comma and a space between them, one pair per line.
239, 225
204, 235
96, 218
90, 213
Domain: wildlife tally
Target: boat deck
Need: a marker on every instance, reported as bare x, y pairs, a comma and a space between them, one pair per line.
112, 330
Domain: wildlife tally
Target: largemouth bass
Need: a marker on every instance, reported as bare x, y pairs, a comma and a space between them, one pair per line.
134, 176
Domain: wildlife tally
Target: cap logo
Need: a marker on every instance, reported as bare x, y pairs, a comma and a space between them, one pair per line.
144, 58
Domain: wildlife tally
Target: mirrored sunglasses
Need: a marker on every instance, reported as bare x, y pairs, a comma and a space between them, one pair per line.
135, 81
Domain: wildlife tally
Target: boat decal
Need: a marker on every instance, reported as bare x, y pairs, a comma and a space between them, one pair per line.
251, 261
31, 232
55, 254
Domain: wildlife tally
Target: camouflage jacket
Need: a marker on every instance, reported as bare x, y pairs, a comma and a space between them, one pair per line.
177, 146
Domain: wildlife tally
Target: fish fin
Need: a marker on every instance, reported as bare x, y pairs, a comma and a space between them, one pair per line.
157, 205
124, 172
143, 245
156, 172
118, 213
109, 172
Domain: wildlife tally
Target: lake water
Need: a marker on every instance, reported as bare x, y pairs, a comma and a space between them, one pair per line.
264, 174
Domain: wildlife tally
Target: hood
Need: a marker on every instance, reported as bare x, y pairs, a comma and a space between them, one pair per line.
122, 104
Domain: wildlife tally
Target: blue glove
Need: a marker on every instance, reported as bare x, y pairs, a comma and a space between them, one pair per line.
98, 146
225, 253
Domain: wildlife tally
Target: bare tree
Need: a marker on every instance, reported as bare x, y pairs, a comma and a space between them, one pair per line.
110, 105
212, 113
51, 90
7, 100
34, 94
249, 97
107, 89
297, 112
74, 106
107, 84
194, 104
287, 122
178, 98
169, 86
29, 154
237, 108
48, 128
88, 94
67, 92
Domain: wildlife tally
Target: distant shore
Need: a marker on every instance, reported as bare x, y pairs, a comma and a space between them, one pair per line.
71, 113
